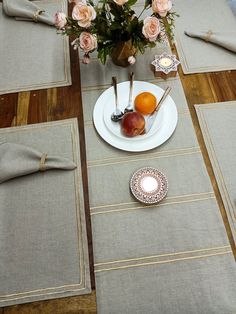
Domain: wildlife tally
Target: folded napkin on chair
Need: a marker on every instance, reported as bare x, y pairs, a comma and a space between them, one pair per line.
27, 11
19, 160
224, 39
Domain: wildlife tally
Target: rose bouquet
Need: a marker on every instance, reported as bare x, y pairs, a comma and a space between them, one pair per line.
112, 23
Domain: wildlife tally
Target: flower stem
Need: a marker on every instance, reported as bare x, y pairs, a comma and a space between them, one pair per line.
141, 12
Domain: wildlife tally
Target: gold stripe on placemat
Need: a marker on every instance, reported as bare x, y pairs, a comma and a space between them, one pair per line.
162, 258
172, 200
174, 153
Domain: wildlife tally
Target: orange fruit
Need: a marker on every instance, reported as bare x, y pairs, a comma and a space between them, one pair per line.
145, 103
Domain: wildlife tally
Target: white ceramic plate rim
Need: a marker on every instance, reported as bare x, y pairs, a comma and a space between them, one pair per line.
168, 123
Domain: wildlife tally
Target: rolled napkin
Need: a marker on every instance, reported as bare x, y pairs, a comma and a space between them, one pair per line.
226, 40
27, 11
19, 160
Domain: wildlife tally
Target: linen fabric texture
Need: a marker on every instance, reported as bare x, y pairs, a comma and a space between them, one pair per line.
217, 122
171, 257
27, 10
224, 39
33, 56
43, 239
19, 160
197, 56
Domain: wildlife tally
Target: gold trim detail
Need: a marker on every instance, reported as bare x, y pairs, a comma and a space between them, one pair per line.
211, 193
36, 15
148, 206
42, 162
208, 35
100, 164
216, 166
226, 250
163, 255
159, 154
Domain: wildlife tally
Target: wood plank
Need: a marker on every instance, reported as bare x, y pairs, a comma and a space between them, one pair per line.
22, 108
37, 107
8, 105
85, 304
78, 110
224, 85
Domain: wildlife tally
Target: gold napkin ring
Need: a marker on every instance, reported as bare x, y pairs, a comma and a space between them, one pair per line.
36, 15
208, 35
42, 162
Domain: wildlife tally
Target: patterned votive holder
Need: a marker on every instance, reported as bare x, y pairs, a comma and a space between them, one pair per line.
165, 65
149, 185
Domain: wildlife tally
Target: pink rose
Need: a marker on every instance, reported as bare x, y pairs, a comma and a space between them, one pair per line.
87, 42
151, 28
131, 60
161, 6
84, 14
60, 20
120, 2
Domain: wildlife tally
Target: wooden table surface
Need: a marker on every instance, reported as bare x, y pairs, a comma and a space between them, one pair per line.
65, 102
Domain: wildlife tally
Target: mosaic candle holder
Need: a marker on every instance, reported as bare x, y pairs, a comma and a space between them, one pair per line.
165, 65
149, 185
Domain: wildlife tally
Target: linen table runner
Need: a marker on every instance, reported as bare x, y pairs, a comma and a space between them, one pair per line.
173, 257
196, 55
32, 55
43, 242
217, 122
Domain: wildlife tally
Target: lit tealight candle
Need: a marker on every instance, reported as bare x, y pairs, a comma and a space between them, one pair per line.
165, 65
149, 184
165, 62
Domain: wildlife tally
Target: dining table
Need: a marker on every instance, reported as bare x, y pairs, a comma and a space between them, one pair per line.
44, 105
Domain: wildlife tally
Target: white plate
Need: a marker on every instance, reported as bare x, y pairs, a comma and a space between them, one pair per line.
162, 129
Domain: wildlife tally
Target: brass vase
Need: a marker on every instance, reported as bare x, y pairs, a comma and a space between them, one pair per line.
122, 52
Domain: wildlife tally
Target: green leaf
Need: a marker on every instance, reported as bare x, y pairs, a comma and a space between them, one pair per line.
116, 25
102, 56
131, 2
132, 26
152, 44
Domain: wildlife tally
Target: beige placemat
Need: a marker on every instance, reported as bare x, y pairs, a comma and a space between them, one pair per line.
217, 122
43, 241
173, 257
32, 55
196, 55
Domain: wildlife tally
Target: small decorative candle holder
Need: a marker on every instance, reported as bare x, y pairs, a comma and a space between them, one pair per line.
165, 65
